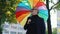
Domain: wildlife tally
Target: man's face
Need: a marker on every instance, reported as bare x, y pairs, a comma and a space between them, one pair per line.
34, 12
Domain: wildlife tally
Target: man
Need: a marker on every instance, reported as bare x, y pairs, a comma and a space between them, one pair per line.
35, 24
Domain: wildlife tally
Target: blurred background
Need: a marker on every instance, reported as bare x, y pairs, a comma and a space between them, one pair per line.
8, 21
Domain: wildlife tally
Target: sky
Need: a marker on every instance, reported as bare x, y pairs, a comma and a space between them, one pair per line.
53, 18
53, 15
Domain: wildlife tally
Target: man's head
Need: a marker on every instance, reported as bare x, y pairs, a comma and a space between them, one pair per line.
34, 11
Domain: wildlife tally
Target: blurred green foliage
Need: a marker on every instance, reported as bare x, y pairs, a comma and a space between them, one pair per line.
53, 32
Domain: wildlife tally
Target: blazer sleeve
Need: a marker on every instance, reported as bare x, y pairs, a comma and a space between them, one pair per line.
43, 23
26, 25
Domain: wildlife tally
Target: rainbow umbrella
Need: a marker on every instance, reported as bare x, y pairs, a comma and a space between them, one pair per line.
24, 7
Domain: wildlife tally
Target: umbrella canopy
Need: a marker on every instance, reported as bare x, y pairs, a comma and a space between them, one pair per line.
24, 7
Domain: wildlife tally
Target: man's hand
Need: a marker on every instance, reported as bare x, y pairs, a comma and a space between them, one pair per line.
29, 21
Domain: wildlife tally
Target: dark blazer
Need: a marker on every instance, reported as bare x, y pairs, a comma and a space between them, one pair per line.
36, 26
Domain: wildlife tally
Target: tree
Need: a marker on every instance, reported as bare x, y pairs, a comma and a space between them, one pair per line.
7, 12
48, 20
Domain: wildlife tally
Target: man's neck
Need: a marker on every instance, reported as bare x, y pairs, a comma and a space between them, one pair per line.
34, 15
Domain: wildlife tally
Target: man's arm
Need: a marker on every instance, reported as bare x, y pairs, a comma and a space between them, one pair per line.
27, 23
43, 23
43, 26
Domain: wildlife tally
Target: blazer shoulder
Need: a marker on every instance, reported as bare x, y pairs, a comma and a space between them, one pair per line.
41, 18
29, 18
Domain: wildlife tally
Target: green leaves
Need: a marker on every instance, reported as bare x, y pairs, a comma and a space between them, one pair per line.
58, 6
3, 19
11, 19
7, 11
54, 31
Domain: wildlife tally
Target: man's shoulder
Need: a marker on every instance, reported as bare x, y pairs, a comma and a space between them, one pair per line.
29, 17
41, 18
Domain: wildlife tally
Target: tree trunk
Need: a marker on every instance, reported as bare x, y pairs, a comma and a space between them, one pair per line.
1, 16
0, 30
48, 20
0, 21
59, 0
49, 23
0, 26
